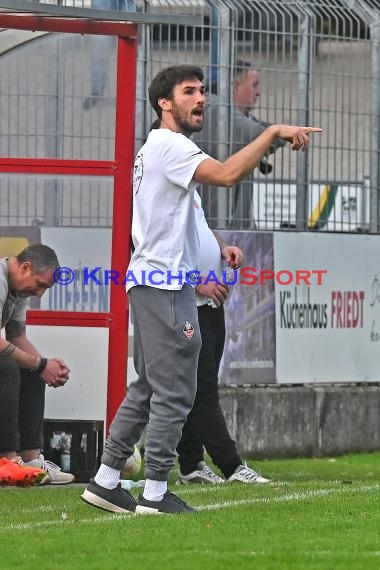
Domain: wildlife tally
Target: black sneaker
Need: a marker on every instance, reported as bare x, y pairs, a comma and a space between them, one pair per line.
115, 500
169, 504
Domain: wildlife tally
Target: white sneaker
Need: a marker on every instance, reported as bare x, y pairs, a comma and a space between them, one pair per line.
55, 475
245, 474
203, 475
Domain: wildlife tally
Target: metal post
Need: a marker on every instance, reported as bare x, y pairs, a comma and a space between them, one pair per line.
223, 120
53, 142
122, 218
375, 129
371, 17
213, 77
141, 88
304, 72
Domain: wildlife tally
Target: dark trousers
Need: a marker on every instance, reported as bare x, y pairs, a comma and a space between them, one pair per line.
22, 405
205, 425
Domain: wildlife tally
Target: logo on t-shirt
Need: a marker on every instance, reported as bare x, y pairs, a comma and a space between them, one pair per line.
138, 172
188, 330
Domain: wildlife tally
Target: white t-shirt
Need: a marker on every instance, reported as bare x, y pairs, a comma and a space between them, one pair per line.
210, 258
164, 232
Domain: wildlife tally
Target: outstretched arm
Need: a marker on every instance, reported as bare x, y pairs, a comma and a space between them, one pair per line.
237, 166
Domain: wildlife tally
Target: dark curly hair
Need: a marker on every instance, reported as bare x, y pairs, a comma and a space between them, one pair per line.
166, 79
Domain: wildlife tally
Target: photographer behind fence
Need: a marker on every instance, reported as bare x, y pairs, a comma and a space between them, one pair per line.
245, 128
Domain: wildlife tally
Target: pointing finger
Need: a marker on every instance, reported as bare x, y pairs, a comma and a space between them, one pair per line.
311, 129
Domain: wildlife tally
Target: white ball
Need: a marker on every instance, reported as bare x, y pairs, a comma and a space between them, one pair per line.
133, 466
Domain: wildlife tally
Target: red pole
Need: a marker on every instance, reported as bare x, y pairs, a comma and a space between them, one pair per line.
122, 219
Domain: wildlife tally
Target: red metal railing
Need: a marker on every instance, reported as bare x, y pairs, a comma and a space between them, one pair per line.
120, 169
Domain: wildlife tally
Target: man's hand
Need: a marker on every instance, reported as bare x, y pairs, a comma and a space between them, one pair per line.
64, 368
297, 136
56, 373
233, 255
212, 290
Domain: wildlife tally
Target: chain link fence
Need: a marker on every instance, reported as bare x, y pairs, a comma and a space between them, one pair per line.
317, 62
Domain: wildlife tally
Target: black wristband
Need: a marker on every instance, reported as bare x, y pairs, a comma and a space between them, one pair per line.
42, 365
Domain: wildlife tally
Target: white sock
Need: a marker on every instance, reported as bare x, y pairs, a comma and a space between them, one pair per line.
107, 477
155, 490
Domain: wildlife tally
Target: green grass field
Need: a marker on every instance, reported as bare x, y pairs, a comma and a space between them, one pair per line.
319, 513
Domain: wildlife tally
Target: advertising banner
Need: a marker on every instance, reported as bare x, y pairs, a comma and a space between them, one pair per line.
249, 353
305, 307
327, 307
331, 207
85, 349
85, 257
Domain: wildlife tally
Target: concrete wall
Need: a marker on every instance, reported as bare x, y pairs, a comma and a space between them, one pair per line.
309, 420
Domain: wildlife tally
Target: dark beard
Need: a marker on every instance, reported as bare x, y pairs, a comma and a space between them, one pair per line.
186, 127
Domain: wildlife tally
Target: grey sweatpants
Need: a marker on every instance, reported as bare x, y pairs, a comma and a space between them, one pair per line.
167, 342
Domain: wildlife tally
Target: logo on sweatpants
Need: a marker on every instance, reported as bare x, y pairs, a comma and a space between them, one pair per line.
188, 330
